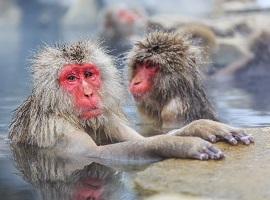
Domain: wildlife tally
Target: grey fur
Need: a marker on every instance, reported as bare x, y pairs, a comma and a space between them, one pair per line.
34, 120
179, 76
259, 46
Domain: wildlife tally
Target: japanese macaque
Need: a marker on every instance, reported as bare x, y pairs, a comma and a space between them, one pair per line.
250, 73
166, 84
254, 65
120, 25
75, 109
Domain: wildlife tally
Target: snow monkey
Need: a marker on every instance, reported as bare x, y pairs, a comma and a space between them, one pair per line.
253, 66
121, 24
75, 108
165, 82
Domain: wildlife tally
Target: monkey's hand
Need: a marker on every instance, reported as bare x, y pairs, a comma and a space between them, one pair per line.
158, 147
214, 131
184, 147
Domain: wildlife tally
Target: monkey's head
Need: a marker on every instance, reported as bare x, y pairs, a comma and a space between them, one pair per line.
260, 46
122, 21
72, 80
161, 65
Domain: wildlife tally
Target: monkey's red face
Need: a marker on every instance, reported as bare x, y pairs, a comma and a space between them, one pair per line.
89, 188
128, 16
83, 82
143, 80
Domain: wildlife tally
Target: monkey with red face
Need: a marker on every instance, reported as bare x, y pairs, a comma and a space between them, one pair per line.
121, 24
75, 108
166, 84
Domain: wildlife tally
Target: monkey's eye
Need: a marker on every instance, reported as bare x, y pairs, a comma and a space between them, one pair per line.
88, 74
149, 66
71, 78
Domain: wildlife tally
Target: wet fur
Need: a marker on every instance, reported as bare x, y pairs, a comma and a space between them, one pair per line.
179, 76
34, 121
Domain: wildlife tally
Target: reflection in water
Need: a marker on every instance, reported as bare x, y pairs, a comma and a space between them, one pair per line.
60, 178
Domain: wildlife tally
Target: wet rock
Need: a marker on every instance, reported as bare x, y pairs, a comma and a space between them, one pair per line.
174, 197
243, 174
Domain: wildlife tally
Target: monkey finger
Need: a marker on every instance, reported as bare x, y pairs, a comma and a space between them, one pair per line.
251, 138
247, 139
217, 154
243, 137
211, 138
229, 138
201, 156
216, 151
212, 152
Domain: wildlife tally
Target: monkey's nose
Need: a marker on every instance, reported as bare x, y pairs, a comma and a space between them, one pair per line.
87, 89
137, 82
88, 95
88, 92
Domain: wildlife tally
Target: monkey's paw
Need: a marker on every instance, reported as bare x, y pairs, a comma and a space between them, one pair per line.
203, 150
213, 131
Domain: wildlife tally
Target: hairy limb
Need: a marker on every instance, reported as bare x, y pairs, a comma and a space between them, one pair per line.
151, 148
77, 142
159, 147
170, 114
125, 133
214, 131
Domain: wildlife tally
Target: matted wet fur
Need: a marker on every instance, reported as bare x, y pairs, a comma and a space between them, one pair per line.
34, 121
179, 76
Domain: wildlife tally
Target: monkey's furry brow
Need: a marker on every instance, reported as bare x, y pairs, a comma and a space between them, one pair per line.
75, 53
164, 48
158, 42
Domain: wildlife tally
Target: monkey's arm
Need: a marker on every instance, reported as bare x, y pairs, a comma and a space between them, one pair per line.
76, 141
214, 131
124, 132
152, 148
159, 147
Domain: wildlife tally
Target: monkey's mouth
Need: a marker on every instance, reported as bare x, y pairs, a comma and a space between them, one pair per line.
90, 113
